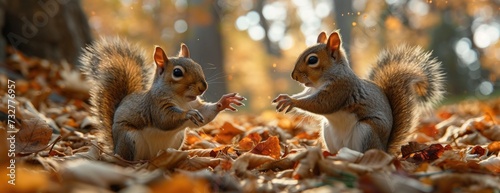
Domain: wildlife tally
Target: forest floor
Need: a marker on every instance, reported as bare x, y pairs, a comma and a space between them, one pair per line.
455, 148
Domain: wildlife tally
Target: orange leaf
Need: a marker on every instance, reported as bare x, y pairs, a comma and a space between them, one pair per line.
227, 132
181, 183
306, 135
71, 122
249, 141
479, 125
429, 130
494, 147
192, 138
444, 115
270, 147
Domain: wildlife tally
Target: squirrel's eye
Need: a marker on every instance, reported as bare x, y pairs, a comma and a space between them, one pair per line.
177, 73
312, 60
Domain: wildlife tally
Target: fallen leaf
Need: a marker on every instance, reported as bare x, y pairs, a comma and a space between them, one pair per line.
492, 163
248, 161
95, 173
453, 182
494, 147
307, 135
478, 150
181, 183
249, 141
306, 165
376, 159
198, 163
412, 147
348, 155
493, 133
33, 136
227, 132
388, 182
270, 147
200, 152
167, 159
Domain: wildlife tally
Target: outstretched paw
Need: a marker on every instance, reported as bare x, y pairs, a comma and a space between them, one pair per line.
284, 102
228, 99
195, 116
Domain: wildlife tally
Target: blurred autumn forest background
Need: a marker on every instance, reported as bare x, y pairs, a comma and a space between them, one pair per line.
250, 46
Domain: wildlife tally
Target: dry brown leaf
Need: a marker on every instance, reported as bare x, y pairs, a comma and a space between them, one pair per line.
474, 138
477, 150
454, 182
95, 173
248, 161
376, 159
33, 136
430, 153
305, 167
167, 159
412, 147
493, 133
492, 163
387, 182
270, 147
278, 165
348, 155
199, 152
227, 132
198, 163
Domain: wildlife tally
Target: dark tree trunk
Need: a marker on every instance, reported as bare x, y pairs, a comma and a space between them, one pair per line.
205, 44
51, 29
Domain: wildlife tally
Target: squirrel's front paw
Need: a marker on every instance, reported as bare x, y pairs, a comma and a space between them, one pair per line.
284, 102
228, 99
195, 116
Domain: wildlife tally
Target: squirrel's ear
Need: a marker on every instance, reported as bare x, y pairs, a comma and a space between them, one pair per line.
321, 38
334, 42
160, 59
184, 52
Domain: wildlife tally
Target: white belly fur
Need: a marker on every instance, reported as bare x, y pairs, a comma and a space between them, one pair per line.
342, 129
149, 141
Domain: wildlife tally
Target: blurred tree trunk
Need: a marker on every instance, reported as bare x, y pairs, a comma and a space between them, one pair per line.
52, 29
205, 44
344, 23
443, 38
271, 48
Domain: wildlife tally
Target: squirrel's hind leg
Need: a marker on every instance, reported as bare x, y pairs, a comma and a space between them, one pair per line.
124, 145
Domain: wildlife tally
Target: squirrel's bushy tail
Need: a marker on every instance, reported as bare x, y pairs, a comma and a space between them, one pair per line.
412, 81
115, 69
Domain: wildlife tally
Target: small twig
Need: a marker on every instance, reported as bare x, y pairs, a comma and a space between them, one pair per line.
54, 144
48, 145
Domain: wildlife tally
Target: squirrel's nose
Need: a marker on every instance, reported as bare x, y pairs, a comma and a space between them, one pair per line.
294, 76
203, 87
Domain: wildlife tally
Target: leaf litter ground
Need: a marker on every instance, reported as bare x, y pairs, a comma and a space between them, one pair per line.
455, 149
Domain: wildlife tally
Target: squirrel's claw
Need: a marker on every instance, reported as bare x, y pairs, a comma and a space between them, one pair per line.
195, 116
284, 102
